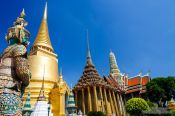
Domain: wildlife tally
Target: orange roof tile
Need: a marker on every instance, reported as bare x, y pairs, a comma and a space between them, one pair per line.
133, 81
145, 80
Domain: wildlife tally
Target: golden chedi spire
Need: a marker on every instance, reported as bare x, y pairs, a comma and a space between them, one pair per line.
43, 38
42, 54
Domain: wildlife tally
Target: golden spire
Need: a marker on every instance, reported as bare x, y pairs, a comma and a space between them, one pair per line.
41, 96
42, 38
61, 80
61, 75
89, 60
45, 12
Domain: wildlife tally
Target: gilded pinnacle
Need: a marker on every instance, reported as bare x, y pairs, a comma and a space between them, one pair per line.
42, 38
89, 60
22, 15
45, 12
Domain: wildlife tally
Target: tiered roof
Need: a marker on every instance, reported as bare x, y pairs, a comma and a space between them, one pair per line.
90, 75
113, 83
27, 105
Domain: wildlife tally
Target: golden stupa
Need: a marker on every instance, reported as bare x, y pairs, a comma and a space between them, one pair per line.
42, 54
171, 104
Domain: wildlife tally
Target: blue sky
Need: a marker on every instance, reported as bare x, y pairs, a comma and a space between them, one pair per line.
141, 33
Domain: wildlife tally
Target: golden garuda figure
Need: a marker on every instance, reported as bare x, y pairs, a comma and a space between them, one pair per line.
14, 69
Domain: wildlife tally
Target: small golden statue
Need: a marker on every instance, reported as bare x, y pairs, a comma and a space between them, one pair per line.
14, 69
171, 104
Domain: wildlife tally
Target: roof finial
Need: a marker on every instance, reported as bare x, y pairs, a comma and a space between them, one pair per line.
148, 73
41, 94
89, 60
45, 11
61, 75
87, 34
140, 73
22, 14
42, 38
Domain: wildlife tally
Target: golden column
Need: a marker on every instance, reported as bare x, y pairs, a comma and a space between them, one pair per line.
119, 104
95, 98
89, 100
106, 102
101, 95
111, 102
115, 102
57, 97
123, 107
83, 102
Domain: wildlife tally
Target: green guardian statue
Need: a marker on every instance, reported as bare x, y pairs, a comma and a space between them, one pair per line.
14, 69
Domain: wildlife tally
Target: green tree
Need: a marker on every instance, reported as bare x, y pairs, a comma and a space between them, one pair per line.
151, 104
135, 106
161, 89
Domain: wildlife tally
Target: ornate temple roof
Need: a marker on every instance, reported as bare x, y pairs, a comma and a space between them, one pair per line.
71, 100
27, 105
114, 70
138, 83
60, 86
113, 82
90, 75
42, 38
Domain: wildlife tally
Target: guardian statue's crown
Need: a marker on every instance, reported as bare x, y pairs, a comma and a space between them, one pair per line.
18, 30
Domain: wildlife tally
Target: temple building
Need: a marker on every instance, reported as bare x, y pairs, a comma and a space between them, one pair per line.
130, 86
117, 80
71, 108
42, 53
59, 97
55, 90
93, 93
41, 107
115, 75
27, 109
171, 104
136, 86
